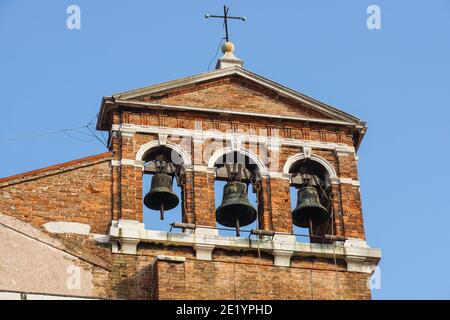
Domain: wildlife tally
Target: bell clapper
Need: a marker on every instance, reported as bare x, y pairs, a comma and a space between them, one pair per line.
162, 211
310, 227
238, 233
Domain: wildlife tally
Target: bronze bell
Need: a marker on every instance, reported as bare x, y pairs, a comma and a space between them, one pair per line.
161, 196
309, 211
235, 209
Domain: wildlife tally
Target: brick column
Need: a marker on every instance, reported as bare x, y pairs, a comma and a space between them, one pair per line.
130, 177
264, 214
352, 211
203, 184
128, 192
187, 201
347, 166
353, 224
138, 201
280, 202
336, 206
204, 198
115, 175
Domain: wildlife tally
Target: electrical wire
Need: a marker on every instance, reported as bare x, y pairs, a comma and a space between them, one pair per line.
95, 136
215, 55
69, 132
66, 132
37, 135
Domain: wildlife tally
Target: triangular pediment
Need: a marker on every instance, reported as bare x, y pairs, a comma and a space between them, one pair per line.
235, 94
236, 90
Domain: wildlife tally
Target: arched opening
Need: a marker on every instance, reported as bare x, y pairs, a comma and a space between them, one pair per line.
235, 195
311, 203
161, 188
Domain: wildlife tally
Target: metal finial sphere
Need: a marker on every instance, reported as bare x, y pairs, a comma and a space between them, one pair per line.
207, 15
228, 47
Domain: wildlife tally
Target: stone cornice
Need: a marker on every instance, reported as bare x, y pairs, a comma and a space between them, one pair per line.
215, 74
267, 140
335, 115
359, 256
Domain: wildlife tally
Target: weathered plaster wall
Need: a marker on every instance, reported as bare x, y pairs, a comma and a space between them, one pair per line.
32, 261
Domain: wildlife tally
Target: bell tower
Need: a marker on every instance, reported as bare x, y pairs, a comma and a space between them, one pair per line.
303, 237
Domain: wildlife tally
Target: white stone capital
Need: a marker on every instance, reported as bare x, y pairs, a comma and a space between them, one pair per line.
128, 246
282, 258
128, 134
200, 168
204, 251
359, 264
128, 233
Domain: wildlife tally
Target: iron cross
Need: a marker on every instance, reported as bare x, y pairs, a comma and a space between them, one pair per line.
225, 17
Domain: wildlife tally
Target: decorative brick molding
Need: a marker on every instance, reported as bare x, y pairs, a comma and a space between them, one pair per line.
252, 138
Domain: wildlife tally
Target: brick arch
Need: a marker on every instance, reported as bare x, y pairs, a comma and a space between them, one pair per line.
155, 143
219, 153
300, 156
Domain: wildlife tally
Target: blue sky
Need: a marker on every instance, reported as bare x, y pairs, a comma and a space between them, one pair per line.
396, 79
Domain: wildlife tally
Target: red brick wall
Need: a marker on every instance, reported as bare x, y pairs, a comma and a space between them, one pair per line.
233, 275
280, 205
204, 208
78, 193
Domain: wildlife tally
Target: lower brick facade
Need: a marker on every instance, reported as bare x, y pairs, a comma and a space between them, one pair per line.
231, 275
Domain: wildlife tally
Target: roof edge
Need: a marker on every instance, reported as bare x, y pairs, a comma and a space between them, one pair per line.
109, 102
236, 70
44, 170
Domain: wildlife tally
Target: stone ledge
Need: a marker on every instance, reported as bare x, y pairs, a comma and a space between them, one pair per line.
67, 227
162, 257
359, 256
